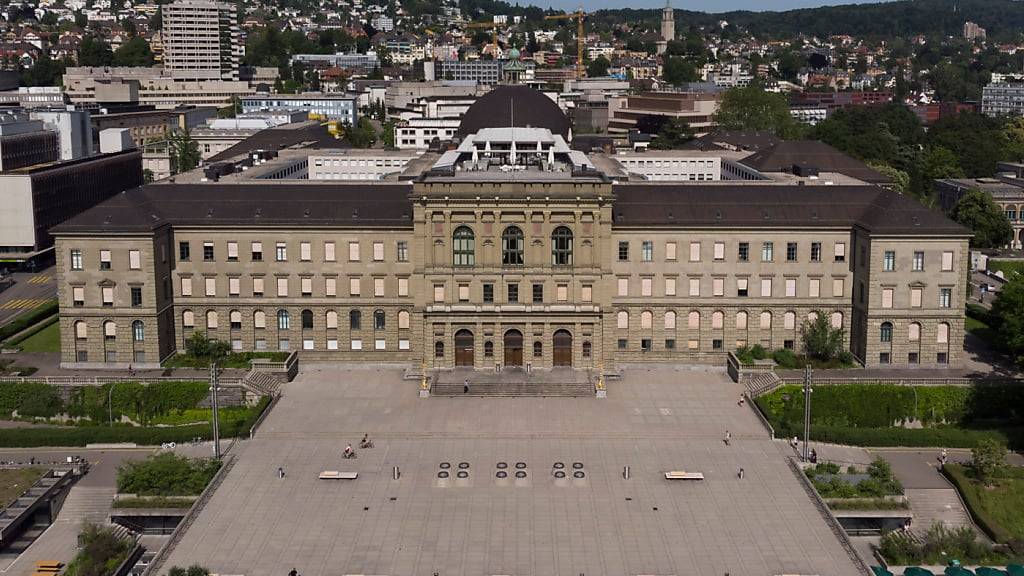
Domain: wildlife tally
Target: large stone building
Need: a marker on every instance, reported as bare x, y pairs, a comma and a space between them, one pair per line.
1006, 188
511, 249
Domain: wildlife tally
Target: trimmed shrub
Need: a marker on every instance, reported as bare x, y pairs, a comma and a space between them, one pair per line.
29, 399
166, 474
25, 320
785, 358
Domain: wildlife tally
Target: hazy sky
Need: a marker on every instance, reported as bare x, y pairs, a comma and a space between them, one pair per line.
702, 5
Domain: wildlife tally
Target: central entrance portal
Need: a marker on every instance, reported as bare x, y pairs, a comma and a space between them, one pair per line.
513, 348
464, 348
562, 348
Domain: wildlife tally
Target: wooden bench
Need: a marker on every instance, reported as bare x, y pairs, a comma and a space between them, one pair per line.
44, 573
680, 475
335, 475
48, 566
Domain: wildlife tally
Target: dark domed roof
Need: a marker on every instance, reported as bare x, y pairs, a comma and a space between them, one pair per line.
531, 108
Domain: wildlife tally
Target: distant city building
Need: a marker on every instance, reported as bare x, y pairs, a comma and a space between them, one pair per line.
668, 27
354, 62
30, 97
25, 142
153, 86
696, 108
383, 23
483, 71
358, 165
1006, 189
73, 128
973, 32
325, 105
418, 133
201, 40
835, 100
1006, 99
809, 114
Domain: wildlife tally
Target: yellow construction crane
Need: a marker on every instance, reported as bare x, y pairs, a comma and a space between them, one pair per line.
579, 15
494, 32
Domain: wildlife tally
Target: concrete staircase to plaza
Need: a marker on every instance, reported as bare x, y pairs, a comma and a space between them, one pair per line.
931, 505
261, 383
514, 382
761, 383
86, 503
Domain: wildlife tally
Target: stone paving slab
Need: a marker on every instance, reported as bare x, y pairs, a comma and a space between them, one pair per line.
764, 524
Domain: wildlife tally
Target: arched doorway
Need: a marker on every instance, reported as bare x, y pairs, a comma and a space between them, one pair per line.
464, 348
561, 348
513, 348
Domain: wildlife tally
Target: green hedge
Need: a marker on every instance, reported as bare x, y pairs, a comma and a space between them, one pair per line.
29, 399
1008, 267
141, 402
153, 502
35, 330
25, 320
166, 474
911, 437
239, 360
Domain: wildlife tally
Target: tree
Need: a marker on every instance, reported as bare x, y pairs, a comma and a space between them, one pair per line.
821, 340
94, 51
134, 52
978, 142
81, 20
199, 346
673, 133
988, 459
184, 151
677, 70
751, 108
387, 134
1008, 318
362, 135
156, 21
147, 176
900, 179
45, 72
598, 68
978, 212
1014, 133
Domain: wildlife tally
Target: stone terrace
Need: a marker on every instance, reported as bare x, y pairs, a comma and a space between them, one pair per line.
653, 420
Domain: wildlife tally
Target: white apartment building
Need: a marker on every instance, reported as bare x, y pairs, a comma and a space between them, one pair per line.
419, 132
201, 40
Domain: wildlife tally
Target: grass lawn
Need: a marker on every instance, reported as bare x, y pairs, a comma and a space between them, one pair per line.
14, 482
46, 340
979, 329
1000, 504
1008, 267
233, 360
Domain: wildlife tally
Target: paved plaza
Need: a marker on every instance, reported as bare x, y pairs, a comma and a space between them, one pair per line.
653, 420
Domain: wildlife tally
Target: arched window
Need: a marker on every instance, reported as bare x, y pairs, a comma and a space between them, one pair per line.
538, 349
670, 320
812, 316
789, 320
741, 320
646, 319
766, 320
378, 320
259, 319
138, 331
284, 321
622, 319
235, 317
587, 349
942, 334
914, 332
462, 247
81, 330
717, 319
561, 247
188, 319
439, 349
211, 319
512, 246
837, 319
307, 319
355, 320
332, 319
488, 349
693, 320
109, 330
885, 332
403, 319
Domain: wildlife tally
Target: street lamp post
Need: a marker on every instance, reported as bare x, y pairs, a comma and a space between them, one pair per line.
216, 420
110, 403
807, 411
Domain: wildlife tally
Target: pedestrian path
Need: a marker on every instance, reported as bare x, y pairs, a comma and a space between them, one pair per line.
24, 303
936, 505
44, 279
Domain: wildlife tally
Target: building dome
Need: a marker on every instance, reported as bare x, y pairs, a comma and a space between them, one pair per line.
519, 106
513, 54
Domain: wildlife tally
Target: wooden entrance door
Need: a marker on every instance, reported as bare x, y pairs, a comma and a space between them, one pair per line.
513, 348
561, 348
464, 348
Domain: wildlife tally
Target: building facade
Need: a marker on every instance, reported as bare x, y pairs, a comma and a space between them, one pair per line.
323, 104
1003, 99
201, 40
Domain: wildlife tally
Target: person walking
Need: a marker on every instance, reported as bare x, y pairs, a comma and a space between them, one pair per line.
728, 437
741, 401
741, 473
280, 472
465, 386
293, 572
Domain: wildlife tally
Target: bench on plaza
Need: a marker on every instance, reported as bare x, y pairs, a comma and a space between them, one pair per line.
48, 566
680, 475
335, 475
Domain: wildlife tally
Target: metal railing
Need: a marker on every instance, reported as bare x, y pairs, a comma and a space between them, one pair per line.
101, 380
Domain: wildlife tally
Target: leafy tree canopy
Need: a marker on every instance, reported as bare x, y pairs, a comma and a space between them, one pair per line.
752, 108
134, 52
1008, 313
978, 212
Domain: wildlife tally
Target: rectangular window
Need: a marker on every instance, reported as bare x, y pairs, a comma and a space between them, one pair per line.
208, 251
694, 286
538, 293
403, 286
78, 296
913, 358
329, 253
790, 251
234, 286
306, 286
257, 287
670, 251
438, 292
488, 292
646, 286
463, 292
136, 293
838, 287
670, 286
257, 251
814, 288
232, 251
716, 344
331, 286
108, 296
378, 251
889, 261
184, 251
403, 251
647, 251
915, 297
840, 252
719, 251
356, 344
587, 293
918, 261
645, 344
353, 287
767, 251
305, 252
282, 286
281, 252
562, 292
512, 293
623, 251
134, 260
186, 286
766, 287
942, 358
947, 261
790, 287
623, 287
622, 344
886, 297
378, 287
945, 297
694, 251
104, 259
815, 251
718, 286
741, 287
743, 252
353, 251
884, 357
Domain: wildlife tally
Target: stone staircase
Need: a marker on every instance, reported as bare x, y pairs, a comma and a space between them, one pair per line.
86, 504
762, 383
513, 389
261, 383
931, 505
